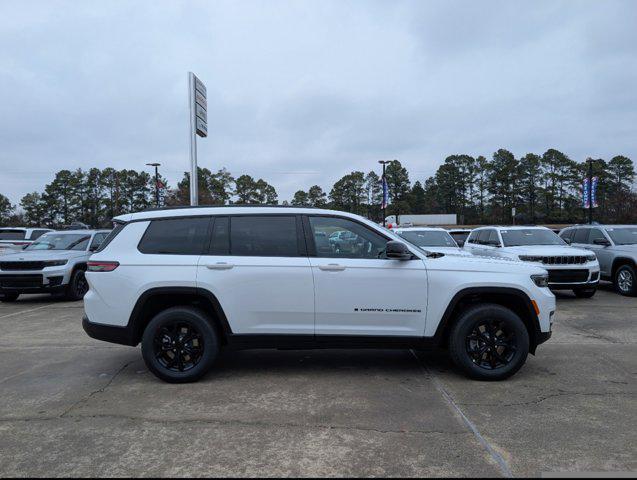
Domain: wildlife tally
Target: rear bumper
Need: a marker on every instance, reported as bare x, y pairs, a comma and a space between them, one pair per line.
108, 333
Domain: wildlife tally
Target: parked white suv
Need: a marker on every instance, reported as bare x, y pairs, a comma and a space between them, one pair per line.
187, 282
431, 239
569, 268
14, 239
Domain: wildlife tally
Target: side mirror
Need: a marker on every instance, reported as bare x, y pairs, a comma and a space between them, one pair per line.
567, 240
397, 251
601, 241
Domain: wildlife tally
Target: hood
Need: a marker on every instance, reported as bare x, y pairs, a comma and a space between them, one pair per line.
475, 263
630, 249
447, 250
546, 250
36, 255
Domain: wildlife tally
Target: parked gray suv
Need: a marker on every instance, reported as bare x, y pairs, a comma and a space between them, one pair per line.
616, 250
54, 263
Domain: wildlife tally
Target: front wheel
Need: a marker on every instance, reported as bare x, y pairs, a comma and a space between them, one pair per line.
180, 345
626, 281
78, 286
584, 292
489, 342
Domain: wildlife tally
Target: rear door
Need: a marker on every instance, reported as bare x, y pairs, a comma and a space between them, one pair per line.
258, 269
358, 291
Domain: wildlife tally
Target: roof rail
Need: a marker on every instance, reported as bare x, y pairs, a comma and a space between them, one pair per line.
252, 205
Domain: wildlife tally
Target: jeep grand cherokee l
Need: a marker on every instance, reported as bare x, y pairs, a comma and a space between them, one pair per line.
187, 282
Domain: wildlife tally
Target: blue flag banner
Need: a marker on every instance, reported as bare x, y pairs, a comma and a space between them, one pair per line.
585, 194
594, 182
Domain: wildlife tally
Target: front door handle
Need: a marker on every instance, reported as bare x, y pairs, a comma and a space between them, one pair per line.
219, 266
332, 267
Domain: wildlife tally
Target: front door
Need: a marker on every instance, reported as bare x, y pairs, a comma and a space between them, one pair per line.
357, 290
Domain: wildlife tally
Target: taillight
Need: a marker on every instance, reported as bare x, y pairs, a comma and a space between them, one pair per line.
102, 266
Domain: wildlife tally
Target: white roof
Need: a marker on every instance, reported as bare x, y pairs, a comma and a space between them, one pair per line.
418, 229
514, 227
256, 210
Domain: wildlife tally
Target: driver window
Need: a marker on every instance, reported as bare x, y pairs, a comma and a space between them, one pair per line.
494, 237
595, 233
342, 238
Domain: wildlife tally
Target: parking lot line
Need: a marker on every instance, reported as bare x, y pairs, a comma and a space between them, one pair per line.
25, 311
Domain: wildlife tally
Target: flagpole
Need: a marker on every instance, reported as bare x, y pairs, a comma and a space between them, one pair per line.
590, 191
384, 184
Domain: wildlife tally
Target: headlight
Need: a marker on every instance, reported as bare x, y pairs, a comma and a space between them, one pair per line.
529, 258
591, 257
540, 280
55, 263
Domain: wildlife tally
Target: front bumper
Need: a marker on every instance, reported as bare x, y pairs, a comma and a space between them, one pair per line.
567, 279
47, 280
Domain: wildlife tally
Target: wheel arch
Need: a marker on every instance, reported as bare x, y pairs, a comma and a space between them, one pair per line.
618, 262
512, 298
154, 300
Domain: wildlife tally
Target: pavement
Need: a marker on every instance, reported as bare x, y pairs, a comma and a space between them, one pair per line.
73, 406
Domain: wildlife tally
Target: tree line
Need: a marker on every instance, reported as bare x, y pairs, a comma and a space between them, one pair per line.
542, 188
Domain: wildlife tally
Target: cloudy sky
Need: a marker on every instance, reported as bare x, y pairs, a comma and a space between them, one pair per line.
302, 92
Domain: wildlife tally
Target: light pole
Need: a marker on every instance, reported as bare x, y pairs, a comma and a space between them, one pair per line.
385, 193
156, 181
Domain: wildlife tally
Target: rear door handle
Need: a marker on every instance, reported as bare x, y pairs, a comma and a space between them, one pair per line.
219, 266
332, 267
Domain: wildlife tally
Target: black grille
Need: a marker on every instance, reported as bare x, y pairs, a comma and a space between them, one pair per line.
17, 266
568, 276
20, 281
564, 260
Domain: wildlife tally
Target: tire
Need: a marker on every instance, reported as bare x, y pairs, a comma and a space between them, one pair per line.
9, 297
77, 287
625, 281
584, 292
172, 361
475, 351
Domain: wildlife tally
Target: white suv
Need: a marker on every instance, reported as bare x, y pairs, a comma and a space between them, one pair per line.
187, 282
569, 268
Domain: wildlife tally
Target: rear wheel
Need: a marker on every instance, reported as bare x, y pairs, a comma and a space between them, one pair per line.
489, 342
626, 280
78, 286
180, 345
9, 297
584, 292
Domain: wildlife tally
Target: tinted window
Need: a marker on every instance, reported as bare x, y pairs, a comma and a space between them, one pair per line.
109, 238
264, 236
220, 241
581, 235
353, 240
35, 234
494, 238
568, 234
482, 236
98, 238
12, 234
595, 233
459, 236
178, 236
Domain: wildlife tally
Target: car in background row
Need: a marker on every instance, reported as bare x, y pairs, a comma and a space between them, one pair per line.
616, 249
54, 263
569, 268
459, 235
14, 239
431, 239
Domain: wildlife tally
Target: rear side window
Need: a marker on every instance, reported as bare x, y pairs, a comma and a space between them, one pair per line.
581, 235
263, 236
568, 235
176, 236
12, 234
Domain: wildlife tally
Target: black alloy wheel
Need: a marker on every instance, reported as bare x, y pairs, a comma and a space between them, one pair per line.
78, 286
491, 344
178, 346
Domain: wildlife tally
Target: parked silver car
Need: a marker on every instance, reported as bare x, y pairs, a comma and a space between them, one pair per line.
616, 250
54, 263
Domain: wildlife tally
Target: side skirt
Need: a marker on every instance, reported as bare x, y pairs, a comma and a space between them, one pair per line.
311, 342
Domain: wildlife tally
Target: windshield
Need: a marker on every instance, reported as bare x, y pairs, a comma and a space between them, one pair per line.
428, 238
61, 241
531, 236
623, 236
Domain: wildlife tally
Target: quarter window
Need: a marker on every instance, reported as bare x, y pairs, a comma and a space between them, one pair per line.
342, 238
176, 236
